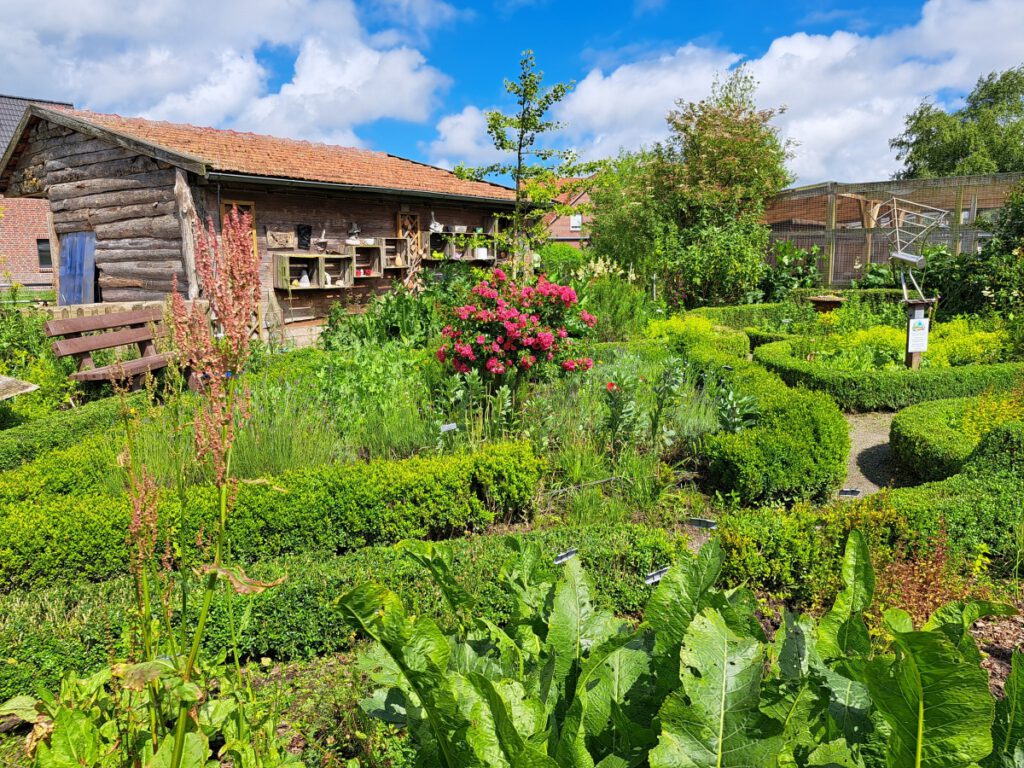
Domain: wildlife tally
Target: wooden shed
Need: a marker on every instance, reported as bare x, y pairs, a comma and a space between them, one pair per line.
330, 223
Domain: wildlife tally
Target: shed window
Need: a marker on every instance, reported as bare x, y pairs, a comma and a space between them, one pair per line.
43, 249
576, 222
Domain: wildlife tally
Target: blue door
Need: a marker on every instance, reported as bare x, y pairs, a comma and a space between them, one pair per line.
77, 268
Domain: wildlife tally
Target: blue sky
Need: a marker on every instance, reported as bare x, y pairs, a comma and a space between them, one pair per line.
414, 77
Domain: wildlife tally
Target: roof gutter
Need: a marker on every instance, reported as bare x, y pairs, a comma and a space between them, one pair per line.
278, 181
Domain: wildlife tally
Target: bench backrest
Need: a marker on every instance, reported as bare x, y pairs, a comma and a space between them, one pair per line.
117, 329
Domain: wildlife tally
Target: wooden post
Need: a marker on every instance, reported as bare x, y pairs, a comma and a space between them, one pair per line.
54, 254
187, 219
955, 216
830, 237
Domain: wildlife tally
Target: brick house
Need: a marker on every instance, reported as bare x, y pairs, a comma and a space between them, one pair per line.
571, 229
331, 224
25, 247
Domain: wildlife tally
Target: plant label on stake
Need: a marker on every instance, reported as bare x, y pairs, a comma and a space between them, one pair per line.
917, 334
449, 427
655, 576
562, 557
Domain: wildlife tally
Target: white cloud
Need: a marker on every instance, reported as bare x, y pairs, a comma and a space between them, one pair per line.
846, 93
161, 60
462, 137
627, 106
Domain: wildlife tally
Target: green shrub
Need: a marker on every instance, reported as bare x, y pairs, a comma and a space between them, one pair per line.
620, 306
86, 467
397, 315
794, 554
796, 450
685, 333
759, 338
742, 316
791, 267
47, 632
926, 441
979, 512
62, 428
886, 389
876, 297
561, 261
720, 264
1001, 450
328, 509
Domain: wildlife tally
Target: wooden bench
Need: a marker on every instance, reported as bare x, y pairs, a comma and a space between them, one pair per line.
81, 336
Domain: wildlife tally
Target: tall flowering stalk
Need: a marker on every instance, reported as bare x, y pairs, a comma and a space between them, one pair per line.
215, 344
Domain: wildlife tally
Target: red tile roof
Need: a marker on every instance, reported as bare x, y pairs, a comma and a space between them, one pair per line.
259, 155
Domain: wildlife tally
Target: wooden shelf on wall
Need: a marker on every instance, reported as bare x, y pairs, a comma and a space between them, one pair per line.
289, 267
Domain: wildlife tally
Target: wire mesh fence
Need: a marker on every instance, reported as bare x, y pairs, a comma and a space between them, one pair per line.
851, 223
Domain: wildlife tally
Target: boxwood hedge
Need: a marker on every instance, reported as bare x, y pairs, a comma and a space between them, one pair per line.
327, 510
796, 450
46, 632
62, 428
925, 443
794, 554
887, 389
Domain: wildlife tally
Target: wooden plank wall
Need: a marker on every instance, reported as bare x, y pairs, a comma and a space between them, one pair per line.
126, 199
376, 215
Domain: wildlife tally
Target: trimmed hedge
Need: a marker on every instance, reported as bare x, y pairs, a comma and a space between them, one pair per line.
873, 296
328, 510
924, 443
26, 441
759, 338
47, 632
743, 316
1001, 450
887, 389
795, 554
797, 449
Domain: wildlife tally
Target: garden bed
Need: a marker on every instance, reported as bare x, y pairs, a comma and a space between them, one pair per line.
887, 389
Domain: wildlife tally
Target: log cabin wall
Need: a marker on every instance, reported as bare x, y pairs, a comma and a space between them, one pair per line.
377, 216
126, 199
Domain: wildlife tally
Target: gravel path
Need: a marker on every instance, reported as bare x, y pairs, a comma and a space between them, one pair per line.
869, 466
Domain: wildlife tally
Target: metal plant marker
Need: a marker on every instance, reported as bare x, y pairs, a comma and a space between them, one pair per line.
562, 557
655, 576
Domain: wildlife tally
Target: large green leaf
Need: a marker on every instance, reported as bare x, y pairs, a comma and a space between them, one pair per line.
75, 742
714, 721
794, 646
849, 707
610, 684
955, 620
437, 559
1008, 728
575, 626
195, 752
937, 705
421, 653
842, 630
681, 594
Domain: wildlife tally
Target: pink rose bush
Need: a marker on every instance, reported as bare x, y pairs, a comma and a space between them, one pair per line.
508, 329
